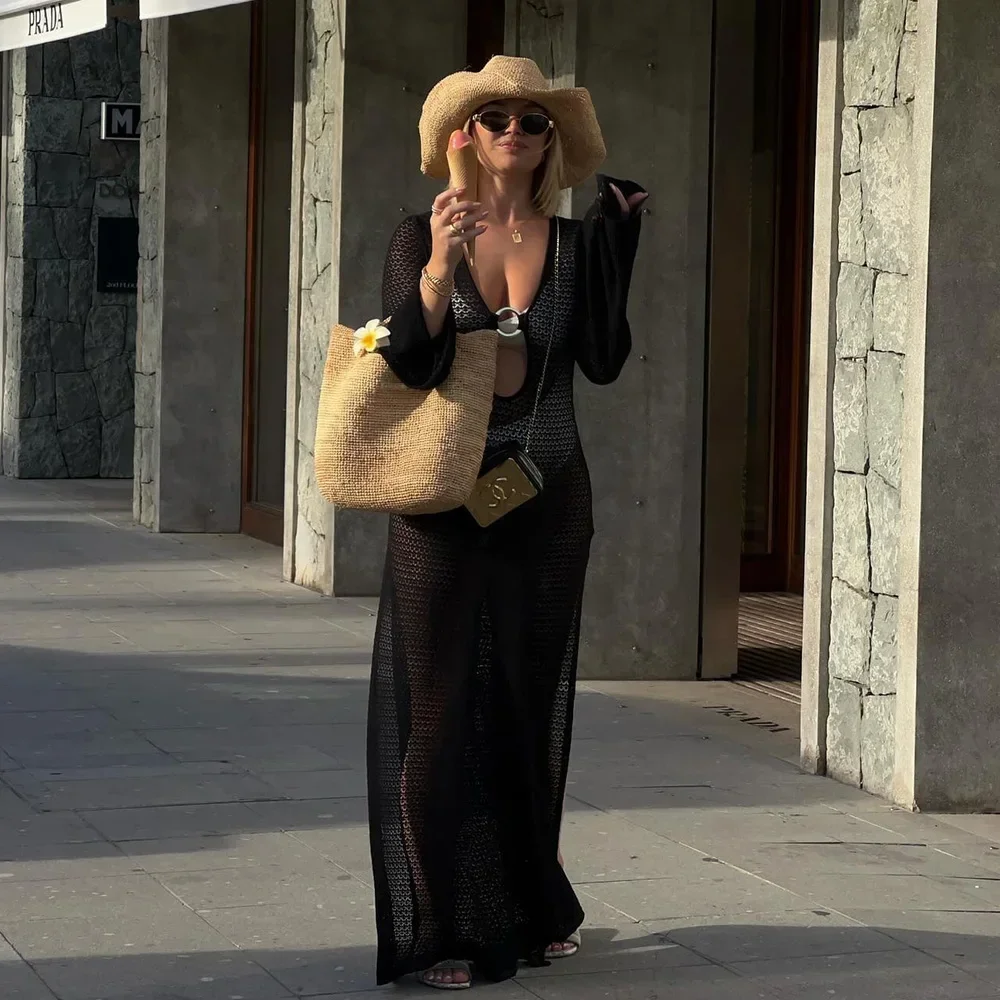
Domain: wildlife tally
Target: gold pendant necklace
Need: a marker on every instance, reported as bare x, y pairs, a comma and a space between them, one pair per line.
516, 235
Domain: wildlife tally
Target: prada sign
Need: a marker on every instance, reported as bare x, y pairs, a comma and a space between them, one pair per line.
28, 22
165, 8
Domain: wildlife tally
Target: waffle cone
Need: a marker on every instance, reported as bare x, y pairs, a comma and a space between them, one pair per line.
463, 164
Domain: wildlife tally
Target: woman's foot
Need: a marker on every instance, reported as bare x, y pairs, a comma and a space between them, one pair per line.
450, 975
569, 947
564, 949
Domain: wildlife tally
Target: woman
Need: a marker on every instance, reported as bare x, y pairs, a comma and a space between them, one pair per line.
476, 644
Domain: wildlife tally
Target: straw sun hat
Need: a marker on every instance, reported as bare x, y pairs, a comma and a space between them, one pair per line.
453, 101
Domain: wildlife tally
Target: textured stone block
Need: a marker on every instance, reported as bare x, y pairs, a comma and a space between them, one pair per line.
131, 325
129, 46
878, 743
885, 414
104, 336
855, 287
843, 733
850, 141
114, 383
29, 184
86, 199
117, 438
52, 124
883, 515
39, 455
850, 530
911, 15
25, 395
850, 417
95, 63
850, 634
44, 403
76, 399
885, 646
906, 77
57, 73
72, 229
67, 347
873, 31
106, 158
850, 228
52, 289
81, 289
886, 140
36, 351
891, 312
81, 448
39, 233
60, 178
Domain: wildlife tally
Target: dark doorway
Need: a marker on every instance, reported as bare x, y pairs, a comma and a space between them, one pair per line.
268, 225
771, 570
486, 23
786, 46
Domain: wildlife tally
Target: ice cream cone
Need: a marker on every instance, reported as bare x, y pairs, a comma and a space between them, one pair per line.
463, 162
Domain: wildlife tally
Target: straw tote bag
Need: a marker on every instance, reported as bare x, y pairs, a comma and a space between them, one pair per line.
382, 446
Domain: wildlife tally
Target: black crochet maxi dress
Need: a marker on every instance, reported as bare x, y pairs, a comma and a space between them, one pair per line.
474, 667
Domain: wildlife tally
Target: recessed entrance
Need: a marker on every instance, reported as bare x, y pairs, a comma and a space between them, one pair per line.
762, 180
272, 81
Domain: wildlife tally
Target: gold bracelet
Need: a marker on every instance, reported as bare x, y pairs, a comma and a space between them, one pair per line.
442, 286
432, 287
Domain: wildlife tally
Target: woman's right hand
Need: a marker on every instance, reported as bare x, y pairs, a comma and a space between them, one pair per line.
447, 243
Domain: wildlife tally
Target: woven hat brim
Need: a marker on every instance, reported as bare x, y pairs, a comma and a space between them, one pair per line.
452, 102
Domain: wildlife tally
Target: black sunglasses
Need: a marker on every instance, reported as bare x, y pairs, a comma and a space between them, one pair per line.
532, 123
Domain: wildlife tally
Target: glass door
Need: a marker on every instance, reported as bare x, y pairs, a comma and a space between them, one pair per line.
268, 227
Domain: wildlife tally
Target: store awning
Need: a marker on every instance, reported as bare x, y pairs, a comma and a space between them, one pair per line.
164, 8
28, 22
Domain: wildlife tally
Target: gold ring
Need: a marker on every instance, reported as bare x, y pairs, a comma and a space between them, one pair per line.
456, 229
435, 210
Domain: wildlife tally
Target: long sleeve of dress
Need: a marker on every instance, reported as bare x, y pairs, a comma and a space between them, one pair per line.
418, 359
609, 244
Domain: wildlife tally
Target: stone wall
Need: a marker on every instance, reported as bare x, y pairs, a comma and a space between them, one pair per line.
872, 315
71, 351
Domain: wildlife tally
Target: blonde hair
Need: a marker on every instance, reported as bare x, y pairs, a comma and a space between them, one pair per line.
548, 179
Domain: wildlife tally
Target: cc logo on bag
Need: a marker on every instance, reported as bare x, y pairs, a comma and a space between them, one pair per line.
499, 491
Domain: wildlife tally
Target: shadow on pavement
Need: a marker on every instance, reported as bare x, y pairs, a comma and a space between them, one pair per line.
720, 961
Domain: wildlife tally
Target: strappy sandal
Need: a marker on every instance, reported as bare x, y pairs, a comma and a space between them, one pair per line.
435, 984
573, 940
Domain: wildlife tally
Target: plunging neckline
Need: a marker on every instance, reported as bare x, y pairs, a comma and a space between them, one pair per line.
543, 280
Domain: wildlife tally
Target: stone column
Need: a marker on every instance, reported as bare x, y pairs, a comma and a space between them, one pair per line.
867, 402
913, 630
70, 349
189, 384
358, 157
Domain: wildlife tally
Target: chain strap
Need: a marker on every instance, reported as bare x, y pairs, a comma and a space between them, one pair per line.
548, 349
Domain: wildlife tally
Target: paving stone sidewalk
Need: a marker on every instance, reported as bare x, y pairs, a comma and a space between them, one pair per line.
182, 813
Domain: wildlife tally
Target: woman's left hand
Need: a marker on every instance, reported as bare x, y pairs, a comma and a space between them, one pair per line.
630, 204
